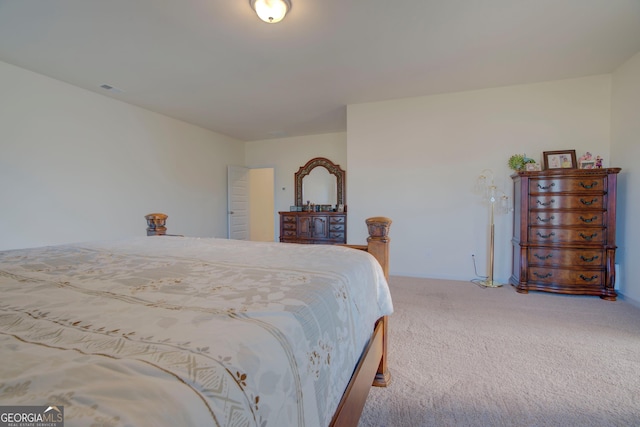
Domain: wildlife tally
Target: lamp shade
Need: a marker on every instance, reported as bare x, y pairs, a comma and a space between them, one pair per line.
271, 11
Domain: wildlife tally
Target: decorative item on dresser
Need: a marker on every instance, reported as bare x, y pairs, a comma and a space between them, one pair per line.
561, 159
313, 221
564, 234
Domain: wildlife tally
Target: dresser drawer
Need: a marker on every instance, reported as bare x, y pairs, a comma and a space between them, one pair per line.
566, 257
336, 227
288, 218
566, 235
289, 225
566, 218
337, 219
586, 201
337, 235
557, 185
289, 233
559, 276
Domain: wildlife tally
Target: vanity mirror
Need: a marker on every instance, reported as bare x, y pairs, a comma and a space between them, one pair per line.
320, 181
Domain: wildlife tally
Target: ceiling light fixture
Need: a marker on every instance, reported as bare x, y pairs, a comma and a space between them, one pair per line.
271, 11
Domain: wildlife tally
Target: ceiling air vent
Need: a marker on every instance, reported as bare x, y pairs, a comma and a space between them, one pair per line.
111, 88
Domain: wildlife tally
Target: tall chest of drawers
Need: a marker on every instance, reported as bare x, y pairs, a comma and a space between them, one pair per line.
564, 232
313, 227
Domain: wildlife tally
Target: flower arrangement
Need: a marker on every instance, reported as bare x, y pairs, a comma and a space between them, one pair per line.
518, 162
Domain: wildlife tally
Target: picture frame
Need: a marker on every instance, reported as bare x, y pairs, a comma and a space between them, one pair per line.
587, 164
532, 167
560, 159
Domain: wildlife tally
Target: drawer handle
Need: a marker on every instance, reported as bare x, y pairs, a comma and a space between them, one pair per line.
588, 279
588, 238
542, 276
546, 204
588, 220
546, 220
585, 259
546, 236
542, 187
584, 202
587, 186
543, 257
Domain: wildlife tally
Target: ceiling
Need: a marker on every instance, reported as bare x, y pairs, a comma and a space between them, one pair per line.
213, 63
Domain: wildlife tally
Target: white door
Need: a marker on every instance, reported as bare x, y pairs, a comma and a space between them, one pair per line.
238, 202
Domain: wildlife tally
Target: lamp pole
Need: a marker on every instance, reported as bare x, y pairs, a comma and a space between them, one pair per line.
490, 283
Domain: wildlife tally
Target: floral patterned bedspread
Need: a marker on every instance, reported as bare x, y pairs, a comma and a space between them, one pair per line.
186, 332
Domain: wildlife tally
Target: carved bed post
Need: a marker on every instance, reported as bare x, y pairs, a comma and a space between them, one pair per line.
378, 246
374, 359
378, 241
156, 224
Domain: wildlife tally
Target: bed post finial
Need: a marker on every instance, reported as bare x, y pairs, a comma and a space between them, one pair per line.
378, 227
156, 224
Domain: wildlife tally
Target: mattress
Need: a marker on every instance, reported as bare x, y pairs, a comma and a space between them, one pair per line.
186, 331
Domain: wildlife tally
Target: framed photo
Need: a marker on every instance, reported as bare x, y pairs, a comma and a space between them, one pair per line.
562, 159
588, 164
532, 167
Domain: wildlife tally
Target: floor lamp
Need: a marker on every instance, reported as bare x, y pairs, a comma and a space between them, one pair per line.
498, 203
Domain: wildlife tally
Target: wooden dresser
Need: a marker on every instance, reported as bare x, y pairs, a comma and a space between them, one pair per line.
564, 233
313, 227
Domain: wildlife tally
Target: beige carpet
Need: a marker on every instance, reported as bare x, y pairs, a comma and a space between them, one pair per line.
462, 355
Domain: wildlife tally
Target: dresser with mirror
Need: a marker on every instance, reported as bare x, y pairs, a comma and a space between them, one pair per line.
319, 214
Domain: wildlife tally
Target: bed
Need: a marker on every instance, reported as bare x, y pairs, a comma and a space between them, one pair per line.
195, 332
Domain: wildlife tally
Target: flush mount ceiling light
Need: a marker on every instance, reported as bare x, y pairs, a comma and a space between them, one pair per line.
271, 11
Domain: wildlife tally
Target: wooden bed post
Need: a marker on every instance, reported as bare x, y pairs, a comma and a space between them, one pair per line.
378, 246
378, 241
374, 359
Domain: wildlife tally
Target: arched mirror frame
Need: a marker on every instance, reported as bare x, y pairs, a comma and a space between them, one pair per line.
331, 167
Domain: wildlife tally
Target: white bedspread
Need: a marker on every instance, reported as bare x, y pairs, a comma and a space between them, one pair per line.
168, 331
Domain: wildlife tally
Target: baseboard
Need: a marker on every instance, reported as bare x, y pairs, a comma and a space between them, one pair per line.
634, 302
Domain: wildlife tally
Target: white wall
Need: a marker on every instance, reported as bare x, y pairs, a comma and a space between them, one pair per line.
76, 166
625, 152
416, 161
287, 155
